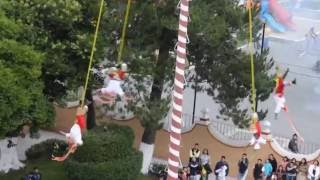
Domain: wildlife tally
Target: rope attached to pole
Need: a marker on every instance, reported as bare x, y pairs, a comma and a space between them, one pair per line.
124, 30
253, 88
176, 120
92, 53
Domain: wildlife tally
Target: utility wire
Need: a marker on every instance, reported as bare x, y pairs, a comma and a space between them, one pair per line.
305, 75
295, 65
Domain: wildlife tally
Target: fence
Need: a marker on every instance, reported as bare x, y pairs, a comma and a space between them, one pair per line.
304, 147
231, 133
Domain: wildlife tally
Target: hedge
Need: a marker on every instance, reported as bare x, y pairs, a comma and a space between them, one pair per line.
46, 148
107, 153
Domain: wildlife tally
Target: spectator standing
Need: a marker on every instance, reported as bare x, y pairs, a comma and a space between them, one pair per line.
195, 152
221, 169
257, 170
243, 167
294, 161
302, 170
291, 171
267, 170
205, 164
293, 144
195, 169
184, 174
314, 170
273, 163
284, 162
281, 173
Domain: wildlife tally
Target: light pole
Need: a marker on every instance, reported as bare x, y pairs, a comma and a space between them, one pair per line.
194, 97
263, 31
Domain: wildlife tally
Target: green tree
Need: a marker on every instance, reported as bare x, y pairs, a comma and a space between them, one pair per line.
21, 97
213, 31
63, 30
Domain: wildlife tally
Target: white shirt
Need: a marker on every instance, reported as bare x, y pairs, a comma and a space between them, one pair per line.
114, 86
310, 171
75, 134
222, 171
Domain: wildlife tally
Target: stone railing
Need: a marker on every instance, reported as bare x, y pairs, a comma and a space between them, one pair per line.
304, 147
284, 152
228, 133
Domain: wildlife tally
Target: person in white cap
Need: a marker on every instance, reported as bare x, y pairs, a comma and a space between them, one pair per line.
74, 137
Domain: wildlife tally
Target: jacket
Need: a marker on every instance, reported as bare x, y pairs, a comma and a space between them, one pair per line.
219, 166
243, 165
267, 169
257, 171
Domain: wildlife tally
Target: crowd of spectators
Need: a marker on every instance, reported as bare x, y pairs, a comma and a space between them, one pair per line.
199, 168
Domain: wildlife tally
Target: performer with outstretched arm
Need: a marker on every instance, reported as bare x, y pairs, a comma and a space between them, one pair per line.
279, 92
74, 137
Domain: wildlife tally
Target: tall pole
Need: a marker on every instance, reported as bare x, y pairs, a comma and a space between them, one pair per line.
194, 98
262, 41
262, 47
176, 120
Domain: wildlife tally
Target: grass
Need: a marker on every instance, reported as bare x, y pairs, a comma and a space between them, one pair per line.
50, 170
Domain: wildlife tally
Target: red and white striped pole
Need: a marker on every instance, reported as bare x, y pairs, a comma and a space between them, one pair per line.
175, 129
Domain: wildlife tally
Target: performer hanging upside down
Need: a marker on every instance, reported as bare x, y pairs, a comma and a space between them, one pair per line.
109, 94
74, 137
279, 92
257, 139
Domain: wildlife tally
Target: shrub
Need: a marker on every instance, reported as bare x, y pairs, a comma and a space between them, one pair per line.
107, 153
46, 149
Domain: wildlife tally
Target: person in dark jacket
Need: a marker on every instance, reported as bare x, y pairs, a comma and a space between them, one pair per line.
257, 171
273, 163
195, 169
220, 165
291, 172
281, 173
293, 144
243, 167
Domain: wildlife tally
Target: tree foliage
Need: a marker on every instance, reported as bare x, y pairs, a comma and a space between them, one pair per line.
21, 98
63, 30
214, 31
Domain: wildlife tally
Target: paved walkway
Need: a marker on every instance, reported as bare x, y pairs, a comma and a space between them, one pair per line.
10, 157
23, 144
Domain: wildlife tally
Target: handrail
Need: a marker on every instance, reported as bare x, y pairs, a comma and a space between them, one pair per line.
283, 152
236, 137
225, 132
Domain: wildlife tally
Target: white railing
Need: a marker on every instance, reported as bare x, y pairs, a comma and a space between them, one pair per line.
234, 136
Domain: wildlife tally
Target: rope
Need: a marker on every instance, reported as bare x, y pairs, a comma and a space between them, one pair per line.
124, 28
253, 89
92, 53
293, 127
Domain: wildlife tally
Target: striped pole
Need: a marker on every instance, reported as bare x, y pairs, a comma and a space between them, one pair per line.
175, 129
